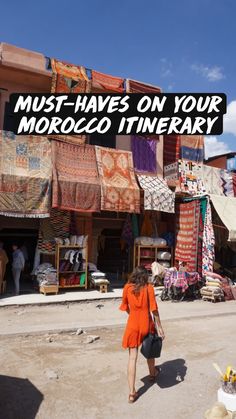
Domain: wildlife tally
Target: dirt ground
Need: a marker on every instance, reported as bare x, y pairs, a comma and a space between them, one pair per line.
61, 376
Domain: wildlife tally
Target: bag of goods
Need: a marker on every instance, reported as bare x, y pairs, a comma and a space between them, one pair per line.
164, 255
158, 241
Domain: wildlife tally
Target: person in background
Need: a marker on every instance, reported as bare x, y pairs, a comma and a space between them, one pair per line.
139, 302
18, 264
3, 262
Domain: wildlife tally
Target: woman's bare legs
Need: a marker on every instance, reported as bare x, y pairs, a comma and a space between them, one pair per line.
133, 355
151, 366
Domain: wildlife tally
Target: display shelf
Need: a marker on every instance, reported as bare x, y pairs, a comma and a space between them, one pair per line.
59, 256
138, 257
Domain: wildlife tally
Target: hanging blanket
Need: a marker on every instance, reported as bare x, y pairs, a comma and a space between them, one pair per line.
69, 78
190, 177
212, 180
144, 154
227, 183
25, 175
157, 195
120, 191
58, 225
106, 83
171, 152
133, 86
234, 183
208, 241
76, 184
192, 147
187, 227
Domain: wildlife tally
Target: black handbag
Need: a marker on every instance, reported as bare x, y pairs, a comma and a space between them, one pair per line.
152, 343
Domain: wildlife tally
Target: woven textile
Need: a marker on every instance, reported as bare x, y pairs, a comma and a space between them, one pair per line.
187, 227
144, 154
68, 78
58, 225
171, 152
76, 185
208, 241
234, 183
25, 175
157, 195
190, 177
120, 191
133, 86
180, 279
212, 180
227, 183
105, 83
192, 148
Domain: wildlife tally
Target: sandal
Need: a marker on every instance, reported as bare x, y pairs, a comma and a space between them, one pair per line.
133, 397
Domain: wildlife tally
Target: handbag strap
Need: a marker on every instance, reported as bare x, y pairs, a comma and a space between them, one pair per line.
149, 313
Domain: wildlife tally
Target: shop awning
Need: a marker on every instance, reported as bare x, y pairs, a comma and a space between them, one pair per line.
226, 209
157, 195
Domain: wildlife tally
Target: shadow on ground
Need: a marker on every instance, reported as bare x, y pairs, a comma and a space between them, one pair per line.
171, 373
19, 398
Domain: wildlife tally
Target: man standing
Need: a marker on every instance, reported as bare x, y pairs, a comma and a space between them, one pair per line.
18, 265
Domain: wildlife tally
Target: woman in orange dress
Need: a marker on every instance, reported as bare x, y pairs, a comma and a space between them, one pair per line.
139, 301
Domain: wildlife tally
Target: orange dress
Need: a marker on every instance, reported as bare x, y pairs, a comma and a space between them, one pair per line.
139, 314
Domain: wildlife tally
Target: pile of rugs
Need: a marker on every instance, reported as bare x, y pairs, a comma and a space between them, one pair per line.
46, 275
217, 288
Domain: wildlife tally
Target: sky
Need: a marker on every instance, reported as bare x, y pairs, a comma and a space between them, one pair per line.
181, 46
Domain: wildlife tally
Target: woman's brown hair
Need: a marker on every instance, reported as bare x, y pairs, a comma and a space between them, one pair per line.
139, 278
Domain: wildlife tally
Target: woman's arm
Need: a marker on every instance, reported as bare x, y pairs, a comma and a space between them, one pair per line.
158, 324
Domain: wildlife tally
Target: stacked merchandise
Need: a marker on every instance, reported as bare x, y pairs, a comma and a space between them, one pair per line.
98, 278
46, 274
213, 289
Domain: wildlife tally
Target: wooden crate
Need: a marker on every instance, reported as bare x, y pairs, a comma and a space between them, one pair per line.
48, 289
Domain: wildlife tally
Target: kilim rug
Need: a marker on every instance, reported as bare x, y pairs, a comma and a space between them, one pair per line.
234, 183
25, 175
120, 191
69, 78
76, 185
106, 83
133, 86
144, 154
157, 195
208, 241
171, 150
192, 148
227, 183
58, 225
187, 227
212, 180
